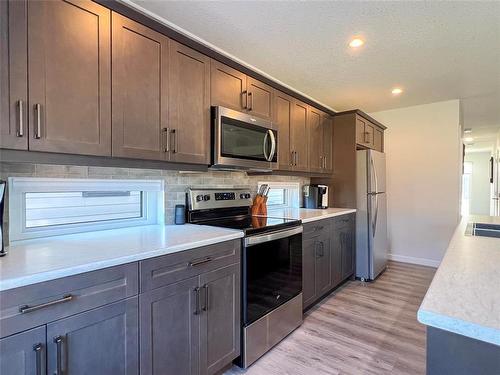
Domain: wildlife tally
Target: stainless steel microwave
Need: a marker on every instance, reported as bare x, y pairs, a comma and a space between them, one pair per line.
243, 141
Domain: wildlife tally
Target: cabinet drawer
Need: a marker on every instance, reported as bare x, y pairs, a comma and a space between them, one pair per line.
316, 228
167, 269
343, 221
30, 306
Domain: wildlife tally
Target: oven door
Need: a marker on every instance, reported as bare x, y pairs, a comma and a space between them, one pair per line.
272, 271
243, 141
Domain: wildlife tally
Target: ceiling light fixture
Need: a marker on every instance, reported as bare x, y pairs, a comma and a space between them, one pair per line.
356, 42
467, 130
396, 91
468, 139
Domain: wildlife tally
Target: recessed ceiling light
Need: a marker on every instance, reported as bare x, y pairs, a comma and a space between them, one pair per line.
396, 91
356, 42
468, 139
467, 130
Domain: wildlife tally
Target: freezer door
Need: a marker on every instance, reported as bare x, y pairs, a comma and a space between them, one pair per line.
377, 221
376, 172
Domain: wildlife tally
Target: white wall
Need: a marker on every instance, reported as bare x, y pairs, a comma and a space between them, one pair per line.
423, 150
480, 183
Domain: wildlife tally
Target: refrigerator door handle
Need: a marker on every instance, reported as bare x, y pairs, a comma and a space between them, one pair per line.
374, 171
375, 216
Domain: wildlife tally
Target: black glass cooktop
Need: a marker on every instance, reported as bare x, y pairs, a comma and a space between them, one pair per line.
252, 224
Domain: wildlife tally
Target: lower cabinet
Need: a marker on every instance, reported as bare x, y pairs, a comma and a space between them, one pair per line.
24, 353
191, 326
99, 342
328, 256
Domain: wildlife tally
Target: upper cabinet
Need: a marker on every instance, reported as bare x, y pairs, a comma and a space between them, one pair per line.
189, 105
315, 138
369, 133
327, 122
298, 136
140, 101
232, 89
13, 75
69, 70
283, 105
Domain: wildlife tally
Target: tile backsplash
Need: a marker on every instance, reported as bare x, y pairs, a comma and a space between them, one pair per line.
176, 182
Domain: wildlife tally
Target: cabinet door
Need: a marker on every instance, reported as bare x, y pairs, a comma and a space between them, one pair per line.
336, 256
315, 140
13, 75
189, 104
24, 353
360, 131
69, 77
227, 87
323, 265
260, 99
170, 329
220, 318
369, 134
298, 136
328, 144
283, 112
378, 140
308, 271
348, 251
100, 342
140, 67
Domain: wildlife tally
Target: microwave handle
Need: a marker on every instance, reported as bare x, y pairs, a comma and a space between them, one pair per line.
269, 133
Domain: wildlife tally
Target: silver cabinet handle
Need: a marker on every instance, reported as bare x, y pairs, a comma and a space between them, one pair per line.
58, 341
296, 158
166, 132
38, 121
38, 352
250, 100
174, 136
196, 300
26, 308
20, 129
195, 263
291, 158
207, 296
244, 95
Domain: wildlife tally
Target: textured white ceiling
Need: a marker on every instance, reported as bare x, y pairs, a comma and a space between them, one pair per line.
434, 50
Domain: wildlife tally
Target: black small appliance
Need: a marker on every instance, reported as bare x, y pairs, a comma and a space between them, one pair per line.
315, 196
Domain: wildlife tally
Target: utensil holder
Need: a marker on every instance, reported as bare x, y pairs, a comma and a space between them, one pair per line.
259, 206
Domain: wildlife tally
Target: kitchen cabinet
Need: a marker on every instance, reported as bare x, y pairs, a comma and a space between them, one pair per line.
24, 353
327, 144
283, 105
170, 329
140, 101
69, 72
100, 341
13, 75
327, 256
189, 105
368, 134
232, 89
315, 139
298, 137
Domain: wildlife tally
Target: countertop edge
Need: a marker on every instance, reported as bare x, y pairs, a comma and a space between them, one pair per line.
117, 261
460, 327
328, 216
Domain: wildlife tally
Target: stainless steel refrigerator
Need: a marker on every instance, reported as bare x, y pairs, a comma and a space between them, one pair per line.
371, 215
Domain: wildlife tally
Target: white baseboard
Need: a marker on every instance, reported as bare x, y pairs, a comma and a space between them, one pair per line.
413, 260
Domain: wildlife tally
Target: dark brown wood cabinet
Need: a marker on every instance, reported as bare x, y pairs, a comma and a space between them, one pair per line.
327, 144
69, 72
283, 105
298, 137
368, 133
189, 105
140, 90
13, 75
315, 139
233, 89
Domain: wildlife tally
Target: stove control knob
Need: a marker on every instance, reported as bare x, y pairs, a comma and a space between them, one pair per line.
199, 198
206, 197
247, 196
242, 196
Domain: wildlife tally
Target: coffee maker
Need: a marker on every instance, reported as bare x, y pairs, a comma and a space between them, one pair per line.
315, 196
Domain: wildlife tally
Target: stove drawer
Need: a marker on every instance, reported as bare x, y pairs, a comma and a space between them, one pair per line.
167, 269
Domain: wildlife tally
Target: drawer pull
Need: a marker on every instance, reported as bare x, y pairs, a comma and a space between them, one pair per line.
199, 262
26, 308
318, 228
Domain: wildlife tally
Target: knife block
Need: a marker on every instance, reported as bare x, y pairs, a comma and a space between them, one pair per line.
259, 206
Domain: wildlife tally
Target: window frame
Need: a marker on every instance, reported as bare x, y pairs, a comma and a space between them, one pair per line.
292, 197
152, 204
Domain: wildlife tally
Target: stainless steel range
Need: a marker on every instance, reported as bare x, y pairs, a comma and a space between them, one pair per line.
271, 266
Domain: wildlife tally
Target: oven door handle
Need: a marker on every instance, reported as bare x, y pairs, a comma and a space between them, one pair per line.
255, 240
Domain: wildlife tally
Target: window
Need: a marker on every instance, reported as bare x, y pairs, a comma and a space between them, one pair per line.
282, 194
40, 207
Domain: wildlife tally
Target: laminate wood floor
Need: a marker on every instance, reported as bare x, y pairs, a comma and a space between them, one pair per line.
362, 328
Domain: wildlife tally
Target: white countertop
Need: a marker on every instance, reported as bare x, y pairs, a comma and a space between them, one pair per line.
464, 296
308, 214
49, 258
